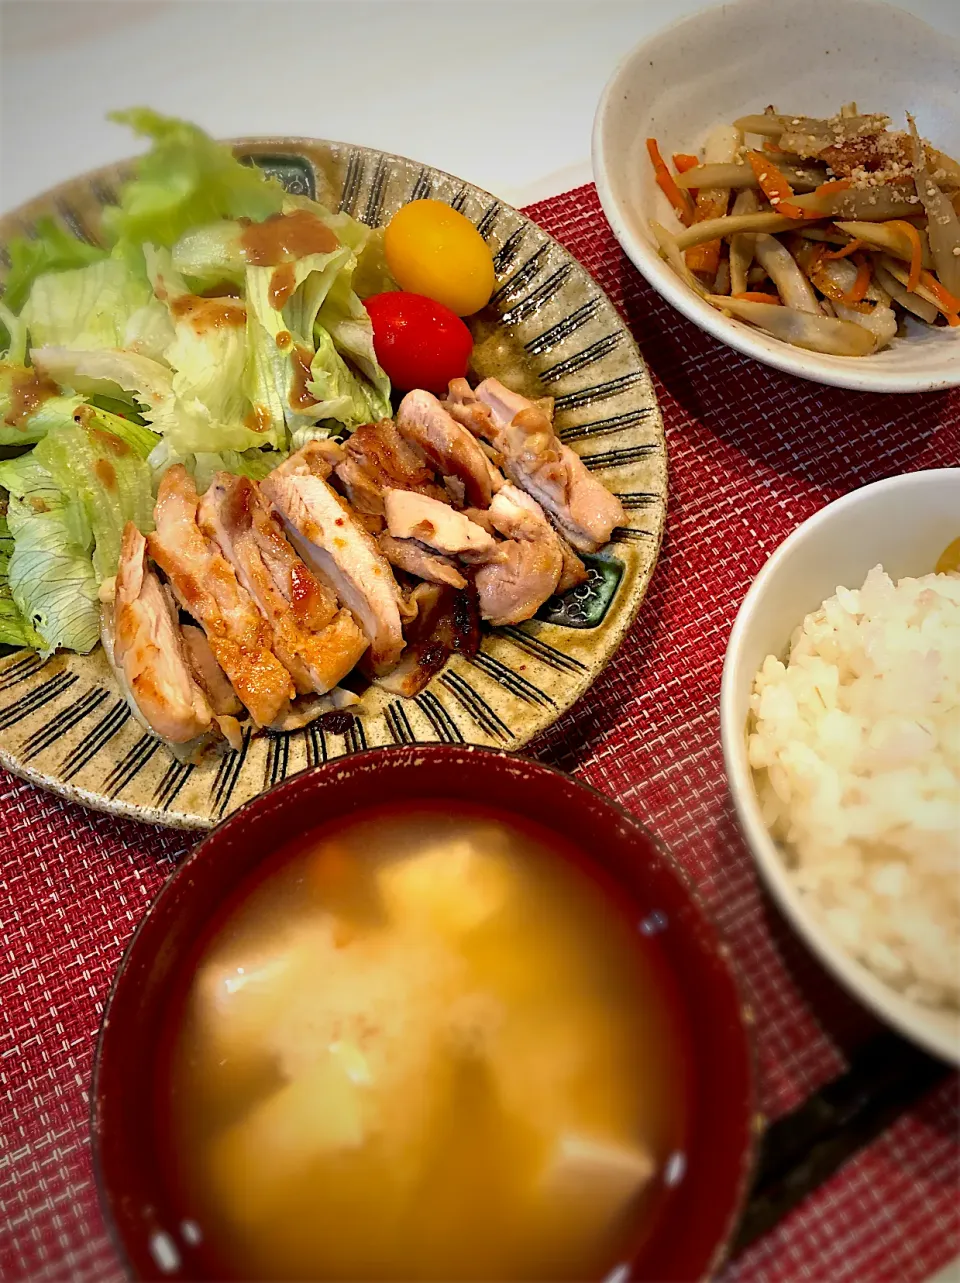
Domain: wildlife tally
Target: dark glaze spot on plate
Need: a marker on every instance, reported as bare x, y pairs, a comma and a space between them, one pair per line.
586, 605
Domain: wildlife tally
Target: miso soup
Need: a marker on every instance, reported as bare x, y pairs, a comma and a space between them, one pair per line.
419, 1045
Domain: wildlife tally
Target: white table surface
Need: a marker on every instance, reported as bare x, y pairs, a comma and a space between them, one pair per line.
500, 92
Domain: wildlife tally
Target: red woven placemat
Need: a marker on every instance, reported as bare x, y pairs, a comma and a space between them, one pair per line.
752, 453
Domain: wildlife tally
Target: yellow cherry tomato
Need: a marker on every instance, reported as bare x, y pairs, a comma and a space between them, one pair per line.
433, 250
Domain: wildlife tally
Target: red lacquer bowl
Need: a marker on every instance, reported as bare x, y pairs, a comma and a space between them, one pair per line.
699, 1210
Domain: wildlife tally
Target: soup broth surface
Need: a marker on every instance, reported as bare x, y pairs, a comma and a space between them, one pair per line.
418, 1045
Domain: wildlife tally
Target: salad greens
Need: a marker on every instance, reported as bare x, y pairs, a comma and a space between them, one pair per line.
166, 344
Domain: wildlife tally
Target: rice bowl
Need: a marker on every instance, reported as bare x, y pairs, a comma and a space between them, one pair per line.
903, 523
855, 746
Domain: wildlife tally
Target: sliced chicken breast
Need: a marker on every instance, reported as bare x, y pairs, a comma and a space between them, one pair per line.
376, 458
420, 561
518, 516
515, 586
149, 649
341, 553
448, 446
208, 674
206, 586
416, 516
535, 459
529, 563
238, 519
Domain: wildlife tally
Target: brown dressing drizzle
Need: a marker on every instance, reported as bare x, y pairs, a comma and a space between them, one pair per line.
258, 420
107, 441
282, 284
282, 237
300, 396
29, 390
106, 474
206, 314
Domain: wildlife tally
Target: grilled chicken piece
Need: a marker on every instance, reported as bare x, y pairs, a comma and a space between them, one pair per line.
208, 674
206, 586
535, 459
514, 588
316, 457
238, 519
415, 516
517, 516
442, 621
377, 458
448, 446
340, 552
423, 562
529, 563
148, 649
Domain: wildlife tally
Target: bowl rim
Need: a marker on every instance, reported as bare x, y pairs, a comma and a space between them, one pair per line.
854, 373
723, 956
855, 977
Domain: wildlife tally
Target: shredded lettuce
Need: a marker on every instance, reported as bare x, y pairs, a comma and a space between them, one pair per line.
208, 255
14, 629
16, 331
339, 392
186, 180
49, 572
109, 372
51, 248
100, 461
89, 307
255, 464
27, 412
348, 323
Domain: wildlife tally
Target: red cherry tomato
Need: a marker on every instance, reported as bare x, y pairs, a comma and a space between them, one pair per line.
419, 343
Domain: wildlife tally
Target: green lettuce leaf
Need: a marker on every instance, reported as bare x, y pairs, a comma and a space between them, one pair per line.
51, 249
186, 180
340, 394
15, 352
210, 254
100, 461
255, 464
14, 629
111, 372
348, 323
27, 412
49, 572
90, 307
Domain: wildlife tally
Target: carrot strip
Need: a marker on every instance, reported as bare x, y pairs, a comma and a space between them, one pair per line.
706, 257
945, 300
757, 296
682, 162
836, 185
860, 286
916, 250
847, 250
665, 181
775, 187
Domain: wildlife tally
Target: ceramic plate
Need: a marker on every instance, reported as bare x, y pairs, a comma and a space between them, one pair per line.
549, 330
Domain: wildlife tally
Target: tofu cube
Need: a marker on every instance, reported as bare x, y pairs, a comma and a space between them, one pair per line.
598, 1177
321, 1113
452, 888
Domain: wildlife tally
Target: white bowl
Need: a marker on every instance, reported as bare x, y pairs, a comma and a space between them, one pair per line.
902, 523
808, 57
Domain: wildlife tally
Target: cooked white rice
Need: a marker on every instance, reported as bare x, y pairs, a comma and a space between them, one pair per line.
856, 747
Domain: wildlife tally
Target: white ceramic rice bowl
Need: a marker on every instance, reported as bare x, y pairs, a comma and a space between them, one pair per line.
903, 523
